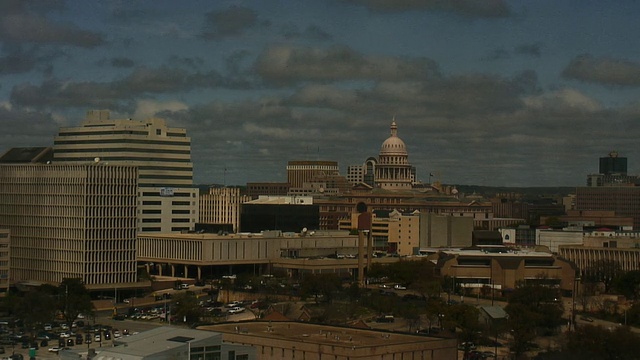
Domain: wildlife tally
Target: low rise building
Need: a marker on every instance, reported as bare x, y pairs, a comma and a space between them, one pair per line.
169, 343
498, 268
295, 340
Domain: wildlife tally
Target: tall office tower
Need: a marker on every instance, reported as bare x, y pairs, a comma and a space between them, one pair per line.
393, 171
222, 206
299, 172
613, 172
166, 197
5, 252
613, 164
624, 200
70, 221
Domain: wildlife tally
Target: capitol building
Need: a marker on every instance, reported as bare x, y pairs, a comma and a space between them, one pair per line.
390, 171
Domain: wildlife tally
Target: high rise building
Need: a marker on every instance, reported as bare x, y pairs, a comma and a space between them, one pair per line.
166, 197
5, 252
70, 221
393, 171
613, 164
300, 172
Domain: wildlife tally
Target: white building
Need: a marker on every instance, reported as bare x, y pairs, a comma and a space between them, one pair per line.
167, 200
70, 221
393, 171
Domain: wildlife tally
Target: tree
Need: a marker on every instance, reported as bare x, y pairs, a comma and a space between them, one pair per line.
186, 308
36, 307
532, 308
73, 300
603, 271
316, 285
596, 343
628, 284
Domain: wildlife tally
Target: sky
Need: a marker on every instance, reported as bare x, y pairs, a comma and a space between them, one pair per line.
484, 92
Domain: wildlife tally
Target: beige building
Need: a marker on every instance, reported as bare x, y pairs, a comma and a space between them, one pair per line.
5, 253
70, 221
191, 255
222, 206
406, 234
296, 340
445, 231
622, 248
393, 171
300, 172
167, 200
502, 269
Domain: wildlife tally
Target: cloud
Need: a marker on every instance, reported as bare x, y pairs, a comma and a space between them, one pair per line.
122, 62
533, 50
281, 65
312, 32
26, 128
17, 62
150, 108
118, 94
467, 8
603, 71
232, 21
21, 22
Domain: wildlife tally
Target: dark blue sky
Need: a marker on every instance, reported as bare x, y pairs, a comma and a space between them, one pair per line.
490, 92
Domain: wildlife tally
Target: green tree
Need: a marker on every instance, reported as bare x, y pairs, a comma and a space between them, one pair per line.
316, 285
36, 307
596, 343
73, 300
185, 307
628, 284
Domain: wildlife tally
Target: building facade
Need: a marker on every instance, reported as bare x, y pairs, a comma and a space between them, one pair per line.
70, 221
167, 200
393, 171
623, 200
300, 172
222, 206
5, 259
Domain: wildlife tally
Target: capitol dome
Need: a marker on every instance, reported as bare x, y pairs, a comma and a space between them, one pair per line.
393, 146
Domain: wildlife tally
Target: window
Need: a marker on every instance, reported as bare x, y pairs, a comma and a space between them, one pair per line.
158, 131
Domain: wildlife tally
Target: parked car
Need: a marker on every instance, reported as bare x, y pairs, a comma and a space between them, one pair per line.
399, 287
55, 349
385, 319
235, 310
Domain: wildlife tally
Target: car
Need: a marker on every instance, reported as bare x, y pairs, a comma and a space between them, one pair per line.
87, 339
116, 333
586, 318
399, 287
64, 335
385, 319
70, 342
384, 286
107, 335
235, 310
97, 338
55, 349
47, 327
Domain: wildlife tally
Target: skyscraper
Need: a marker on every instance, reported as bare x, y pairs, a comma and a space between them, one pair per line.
70, 221
613, 164
166, 197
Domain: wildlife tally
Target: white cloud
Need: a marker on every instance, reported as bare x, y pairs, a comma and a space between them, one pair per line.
148, 108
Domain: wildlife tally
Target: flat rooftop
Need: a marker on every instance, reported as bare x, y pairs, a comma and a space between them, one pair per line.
317, 334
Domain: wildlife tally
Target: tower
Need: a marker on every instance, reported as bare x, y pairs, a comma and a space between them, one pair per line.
167, 201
